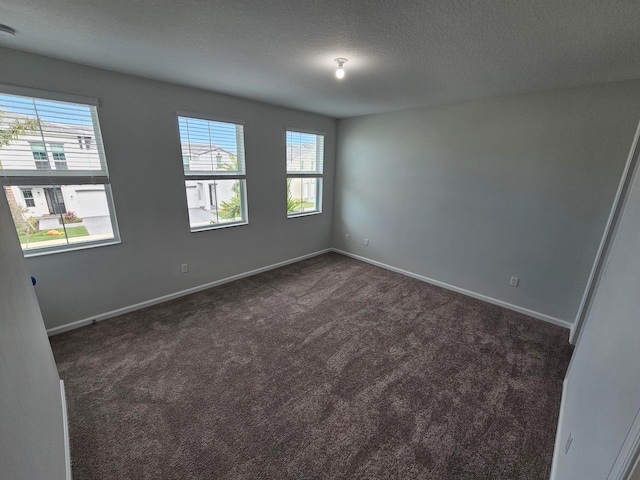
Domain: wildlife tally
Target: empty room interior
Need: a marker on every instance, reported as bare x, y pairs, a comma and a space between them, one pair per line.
319, 240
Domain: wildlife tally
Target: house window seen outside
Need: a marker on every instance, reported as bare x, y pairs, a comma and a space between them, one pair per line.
59, 159
40, 156
27, 195
84, 142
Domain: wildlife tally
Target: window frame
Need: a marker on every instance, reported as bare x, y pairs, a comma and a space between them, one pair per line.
84, 141
58, 178
59, 157
28, 199
195, 175
40, 157
318, 175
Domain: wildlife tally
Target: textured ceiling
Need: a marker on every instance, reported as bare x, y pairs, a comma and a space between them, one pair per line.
402, 54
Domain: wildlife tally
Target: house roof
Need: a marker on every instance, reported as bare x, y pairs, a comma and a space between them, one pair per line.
202, 148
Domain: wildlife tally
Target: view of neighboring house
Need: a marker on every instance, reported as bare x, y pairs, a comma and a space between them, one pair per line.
65, 147
44, 155
208, 197
49, 152
303, 158
206, 158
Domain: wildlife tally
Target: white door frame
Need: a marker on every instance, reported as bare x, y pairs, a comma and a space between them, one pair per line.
609, 230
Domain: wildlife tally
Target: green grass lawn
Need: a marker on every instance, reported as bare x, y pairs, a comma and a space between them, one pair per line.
43, 237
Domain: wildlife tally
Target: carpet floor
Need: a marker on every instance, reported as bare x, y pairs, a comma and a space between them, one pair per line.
329, 368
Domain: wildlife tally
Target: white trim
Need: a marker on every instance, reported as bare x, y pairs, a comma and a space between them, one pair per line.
65, 426
218, 226
182, 293
557, 449
469, 293
634, 473
629, 452
303, 130
208, 117
303, 214
572, 334
607, 237
70, 247
46, 95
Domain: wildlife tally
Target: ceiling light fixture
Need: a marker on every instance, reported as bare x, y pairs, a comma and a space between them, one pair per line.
340, 70
7, 31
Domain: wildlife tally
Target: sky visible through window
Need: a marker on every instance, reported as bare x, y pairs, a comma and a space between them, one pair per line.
219, 134
299, 138
47, 110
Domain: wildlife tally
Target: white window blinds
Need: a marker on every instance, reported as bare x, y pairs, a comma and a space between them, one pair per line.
211, 148
39, 138
305, 153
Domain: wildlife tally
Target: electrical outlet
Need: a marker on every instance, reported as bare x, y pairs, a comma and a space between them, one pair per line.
366, 241
569, 442
184, 267
346, 237
514, 281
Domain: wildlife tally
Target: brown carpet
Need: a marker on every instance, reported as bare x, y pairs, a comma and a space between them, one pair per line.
326, 369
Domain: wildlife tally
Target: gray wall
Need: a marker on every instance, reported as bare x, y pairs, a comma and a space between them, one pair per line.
31, 428
139, 129
603, 380
474, 193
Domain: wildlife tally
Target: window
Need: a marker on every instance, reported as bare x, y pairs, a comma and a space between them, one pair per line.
61, 204
40, 157
214, 171
305, 154
27, 194
84, 142
59, 159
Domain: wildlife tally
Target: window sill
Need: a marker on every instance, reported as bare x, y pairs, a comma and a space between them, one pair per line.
303, 214
218, 227
69, 248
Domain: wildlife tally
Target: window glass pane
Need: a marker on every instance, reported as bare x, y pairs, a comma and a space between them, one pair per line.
305, 152
38, 127
51, 216
59, 158
28, 198
302, 195
211, 146
215, 202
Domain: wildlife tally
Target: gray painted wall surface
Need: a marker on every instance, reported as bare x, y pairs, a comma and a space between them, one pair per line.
31, 428
603, 380
474, 193
139, 129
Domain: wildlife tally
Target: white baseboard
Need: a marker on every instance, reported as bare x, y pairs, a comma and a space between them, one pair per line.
469, 293
572, 334
171, 296
182, 293
65, 426
557, 449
